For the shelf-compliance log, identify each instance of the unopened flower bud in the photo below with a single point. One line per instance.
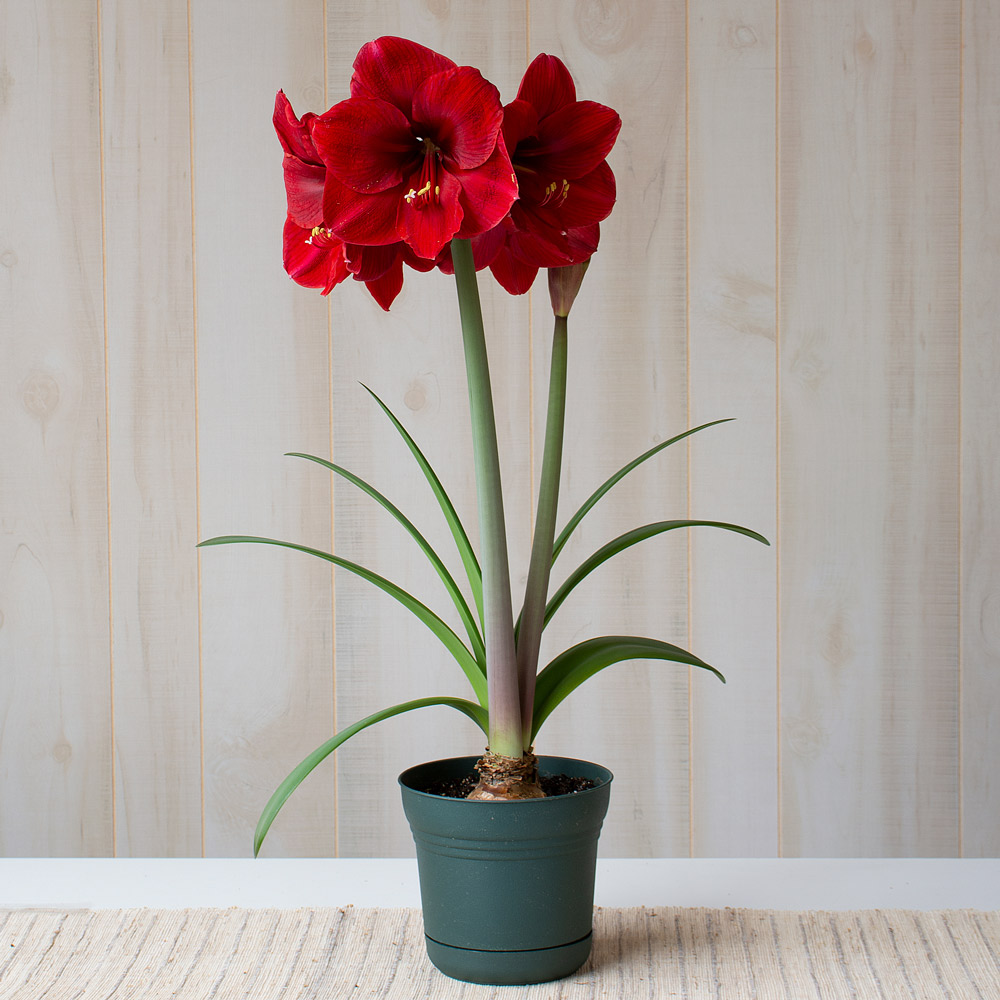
(564, 283)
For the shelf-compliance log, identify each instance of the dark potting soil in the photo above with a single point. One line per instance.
(552, 784)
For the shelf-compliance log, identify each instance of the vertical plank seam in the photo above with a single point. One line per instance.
(777, 421)
(99, 13)
(687, 402)
(961, 465)
(197, 422)
(333, 487)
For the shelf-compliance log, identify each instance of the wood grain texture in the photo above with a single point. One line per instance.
(733, 592)
(627, 391)
(980, 546)
(55, 684)
(868, 313)
(263, 390)
(413, 358)
(153, 481)
(824, 170)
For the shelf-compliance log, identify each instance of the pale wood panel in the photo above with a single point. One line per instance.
(55, 705)
(412, 357)
(153, 495)
(980, 543)
(627, 375)
(869, 119)
(263, 390)
(732, 374)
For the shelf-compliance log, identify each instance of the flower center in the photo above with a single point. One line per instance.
(430, 190)
(556, 193)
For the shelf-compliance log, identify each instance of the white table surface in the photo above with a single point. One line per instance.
(780, 884)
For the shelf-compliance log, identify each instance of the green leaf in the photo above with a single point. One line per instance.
(435, 560)
(612, 548)
(296, 777)
(465, 550)
(619, 475)
(579, 663)
(452, 642)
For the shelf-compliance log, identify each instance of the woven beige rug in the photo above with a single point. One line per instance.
(361, 953)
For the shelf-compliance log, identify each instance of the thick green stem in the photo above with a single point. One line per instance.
(536, 591)
(501, 663)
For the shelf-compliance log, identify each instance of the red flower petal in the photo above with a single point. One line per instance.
(368, 144)
(520, 121)
(513, 274)
(575, 139)
(583, 242)
(304, 191)
(541, 250)
(418, 263)
(367, 219)
(387, 285)
(391, 69)
(487, 192)
(369, 263)
(547, 85)
(589, 199)
(427, 224)
(312, 263)
(292, 133)
(461, 112)
(488, 245)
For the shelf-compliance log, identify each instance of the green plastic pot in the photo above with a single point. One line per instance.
(507, 887)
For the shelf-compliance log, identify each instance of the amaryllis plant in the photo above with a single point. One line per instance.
(423, 166)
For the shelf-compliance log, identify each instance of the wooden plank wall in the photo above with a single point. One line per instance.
(805, 239)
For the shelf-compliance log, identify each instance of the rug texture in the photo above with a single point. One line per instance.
(361, 953)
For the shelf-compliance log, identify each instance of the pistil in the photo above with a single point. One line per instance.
(430, 190)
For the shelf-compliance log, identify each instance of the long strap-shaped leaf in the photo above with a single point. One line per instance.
(580, 662)
(605, 552)
(465, 550)
(435, 560)
(619, 475)
(441, 629)
(299, 773)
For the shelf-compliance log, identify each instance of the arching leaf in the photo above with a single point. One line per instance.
(301, 771)
(579, 663)
(465, 550)
(441, 629)
(622, 542)
(617, 477)
(471, 628)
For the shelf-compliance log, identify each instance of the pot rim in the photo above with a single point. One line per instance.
(544, 766)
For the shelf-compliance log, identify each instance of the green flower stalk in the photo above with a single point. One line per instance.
(564, 284)
(498, 618)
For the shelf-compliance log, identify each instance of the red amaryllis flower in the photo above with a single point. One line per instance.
(559, 146)
(415, 153)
